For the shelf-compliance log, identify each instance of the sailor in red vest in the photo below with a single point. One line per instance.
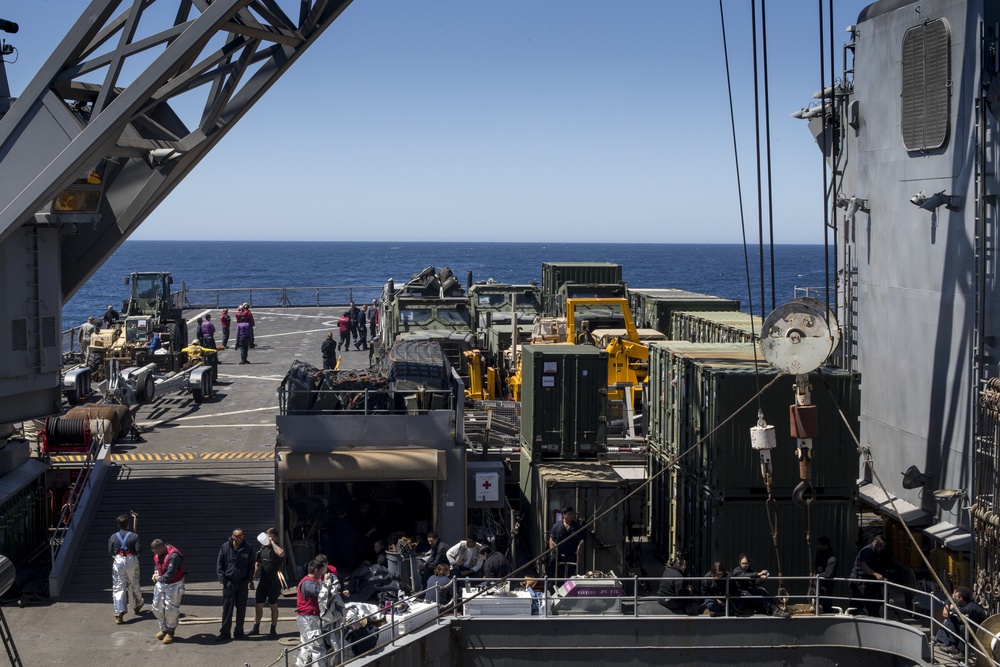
(313, 650)
(169, 588)
(124, 549)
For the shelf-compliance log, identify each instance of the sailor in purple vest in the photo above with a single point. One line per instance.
(208, 333)
(243, 333)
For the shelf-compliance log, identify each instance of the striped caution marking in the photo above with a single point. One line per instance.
(184, 456)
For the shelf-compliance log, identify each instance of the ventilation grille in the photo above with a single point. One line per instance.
(926, 90)
(19, 335)
(48, 332)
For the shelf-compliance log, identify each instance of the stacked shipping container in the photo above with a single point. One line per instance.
(654, 308)
(714, 501)
(731, 326)
(564, 401)
(557, 274)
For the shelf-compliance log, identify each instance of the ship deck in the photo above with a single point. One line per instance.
(186, 447)
(234, 430)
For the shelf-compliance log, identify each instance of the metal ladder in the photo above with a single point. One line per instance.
(8, 642)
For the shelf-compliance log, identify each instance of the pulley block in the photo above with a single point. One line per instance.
(798, 336)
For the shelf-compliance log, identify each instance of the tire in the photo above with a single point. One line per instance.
(71, 397)
(94, 361)
(204, 389)
(213, 362)
(174, 330)
(147, 392)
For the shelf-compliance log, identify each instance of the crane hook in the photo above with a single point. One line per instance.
(804, 494)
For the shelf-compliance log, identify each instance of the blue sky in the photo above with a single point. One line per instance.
(534, 120)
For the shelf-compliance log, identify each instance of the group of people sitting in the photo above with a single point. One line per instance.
(468, 558)
(742, 590)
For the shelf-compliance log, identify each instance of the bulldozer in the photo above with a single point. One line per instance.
(149, 300)
(148, 311)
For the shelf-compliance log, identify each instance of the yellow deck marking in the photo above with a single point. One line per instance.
(178, 456)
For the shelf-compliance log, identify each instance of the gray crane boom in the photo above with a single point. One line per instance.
(86, 155)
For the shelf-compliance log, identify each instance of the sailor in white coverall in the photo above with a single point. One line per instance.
(331, 615)
(313, 649)
(123, 546)
(169, 588)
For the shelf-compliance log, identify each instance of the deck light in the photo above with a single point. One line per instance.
(947, 498)
(934, 201)
(852, 205)
(914, 479)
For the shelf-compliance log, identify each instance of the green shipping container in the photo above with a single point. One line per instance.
(564, 401)
(653, 308)
(589, 488)
(732, 326)
(694, 388)
(714, 530)
(557, 274)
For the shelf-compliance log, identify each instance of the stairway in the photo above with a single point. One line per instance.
(193, 505)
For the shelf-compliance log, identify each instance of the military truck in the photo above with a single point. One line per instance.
(432, 307)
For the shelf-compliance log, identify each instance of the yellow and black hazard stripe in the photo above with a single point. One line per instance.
(181, 456)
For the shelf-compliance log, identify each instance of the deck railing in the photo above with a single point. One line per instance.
(296, 401)
(895, 601)
(275, 297)
(258, 297)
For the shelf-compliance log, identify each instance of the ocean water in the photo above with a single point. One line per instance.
(716, 269)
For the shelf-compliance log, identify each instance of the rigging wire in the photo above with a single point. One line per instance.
(767, 146)
(770, 504)
(756, 119)
(826, 137)
(835, 160)
(739, 191)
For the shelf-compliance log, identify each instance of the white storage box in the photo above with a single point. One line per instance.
(420, 614)
(510, 604)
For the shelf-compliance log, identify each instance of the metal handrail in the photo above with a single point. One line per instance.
(890, 592)
(280, 297)
(370, 398)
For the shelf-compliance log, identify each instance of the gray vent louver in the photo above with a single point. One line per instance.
(926, 90)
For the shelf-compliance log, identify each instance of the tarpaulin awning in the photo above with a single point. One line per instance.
(363, 465)
(906, 512)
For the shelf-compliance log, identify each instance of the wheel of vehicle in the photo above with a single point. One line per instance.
(146, 392)
(213, 361)
(71, 397)
(94, 361)
(203, 390)
(174, 331)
